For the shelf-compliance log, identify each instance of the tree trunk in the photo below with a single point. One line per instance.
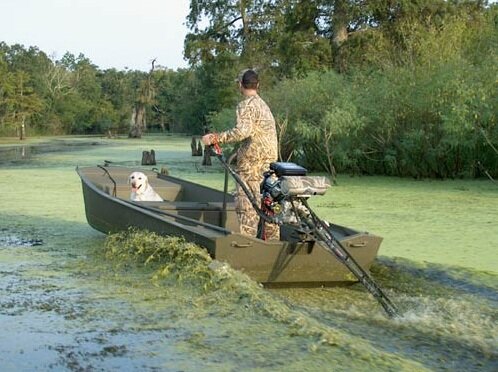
(340, 21)
(22, 135)
(145, 98)
(137, 121)
(245, 28)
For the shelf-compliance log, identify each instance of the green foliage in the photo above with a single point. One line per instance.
(414, 92)
(222, 120)
(427, 109)
(319, 113)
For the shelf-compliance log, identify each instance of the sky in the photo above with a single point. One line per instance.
(111, 33)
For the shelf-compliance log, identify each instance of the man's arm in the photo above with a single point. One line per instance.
(243, 127)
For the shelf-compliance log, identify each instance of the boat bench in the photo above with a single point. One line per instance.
(208, 212)
(171, 192)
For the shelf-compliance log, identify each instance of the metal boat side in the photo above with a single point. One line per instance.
(195, 212)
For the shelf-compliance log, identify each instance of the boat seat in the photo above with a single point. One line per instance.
(208, 212)
(186, 205)
(170, 192)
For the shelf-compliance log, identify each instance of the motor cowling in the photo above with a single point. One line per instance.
(284, 184)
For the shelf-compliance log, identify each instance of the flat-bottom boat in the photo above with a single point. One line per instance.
(207, 217)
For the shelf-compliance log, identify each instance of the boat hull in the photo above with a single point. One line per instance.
(202, 219)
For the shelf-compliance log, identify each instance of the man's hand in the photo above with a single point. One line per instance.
(208, 139)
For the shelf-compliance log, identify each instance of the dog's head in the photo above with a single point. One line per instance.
(138, 182)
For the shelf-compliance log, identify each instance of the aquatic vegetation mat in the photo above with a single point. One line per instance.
(159, 304)
(349, 323)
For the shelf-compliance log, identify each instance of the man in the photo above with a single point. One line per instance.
(255, 129)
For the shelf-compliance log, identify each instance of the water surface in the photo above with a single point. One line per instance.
(69, 300)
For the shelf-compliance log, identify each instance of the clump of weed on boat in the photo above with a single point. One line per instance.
(222, 287)
(172, 257)
(165, 256)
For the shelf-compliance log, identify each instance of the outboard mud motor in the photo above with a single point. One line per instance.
(283, 186)
(285, 190)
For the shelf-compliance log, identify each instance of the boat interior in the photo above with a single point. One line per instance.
(194, 202)
(182, 198)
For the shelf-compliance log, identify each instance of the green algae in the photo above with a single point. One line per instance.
(224, 287)
(143, 302)
(452, 222)
(432, 315)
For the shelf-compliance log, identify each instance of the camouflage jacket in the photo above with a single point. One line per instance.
(256, 131)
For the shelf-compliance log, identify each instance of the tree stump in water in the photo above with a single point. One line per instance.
(196, 147)
(206, 160)
(149, 158)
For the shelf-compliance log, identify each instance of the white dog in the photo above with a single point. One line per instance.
(140, 188)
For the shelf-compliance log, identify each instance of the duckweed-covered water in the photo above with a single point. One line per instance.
(72, 299)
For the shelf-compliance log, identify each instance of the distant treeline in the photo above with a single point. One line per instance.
(71, 95)
(395, 87)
